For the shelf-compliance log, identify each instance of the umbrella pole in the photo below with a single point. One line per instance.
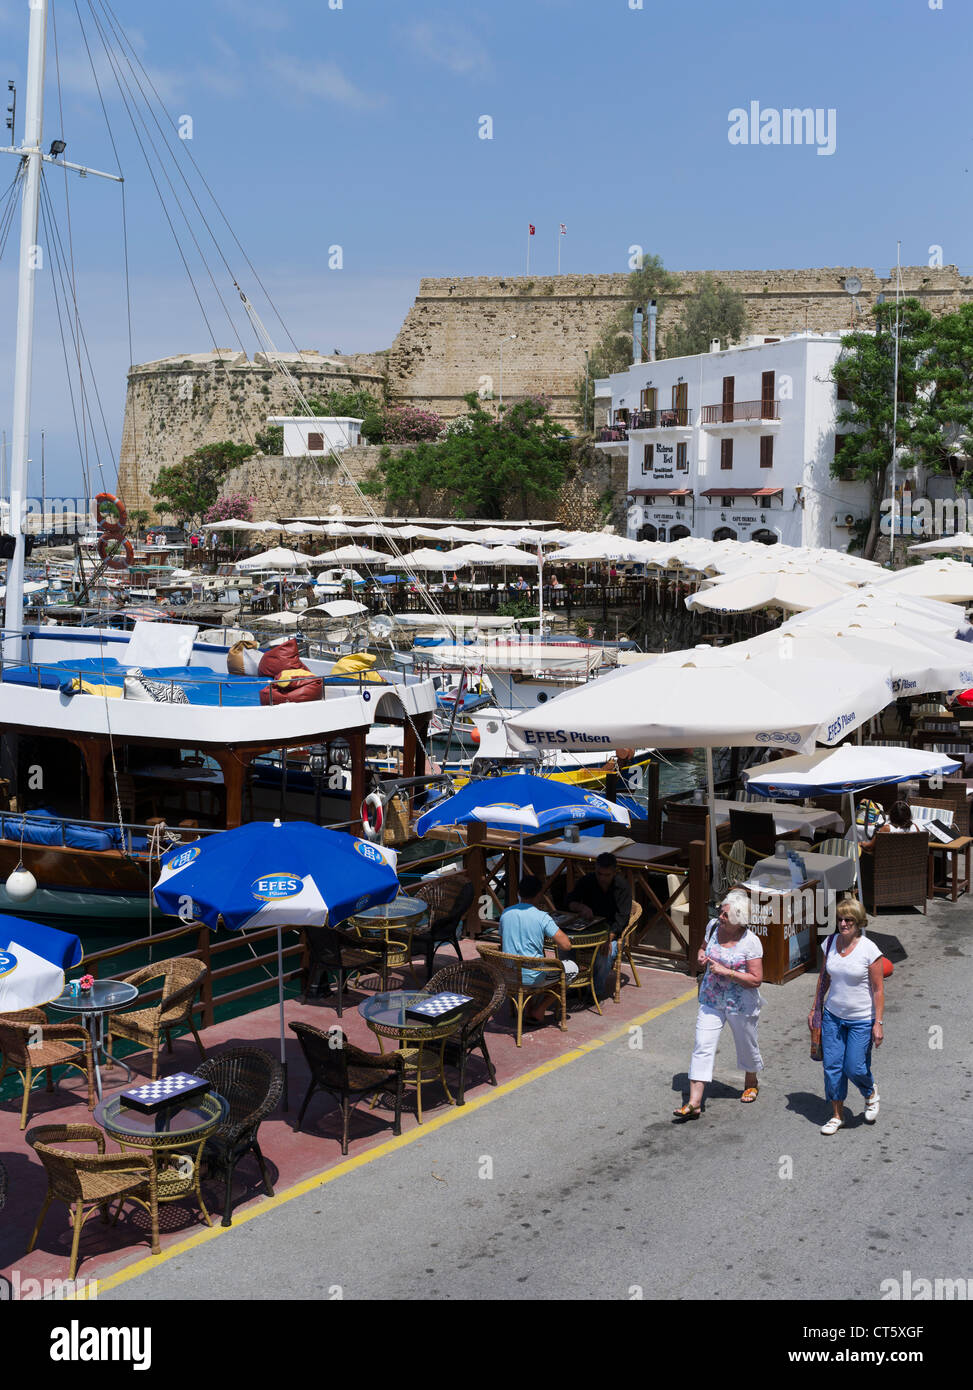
(854, 841)
(711, 803)
(280, 1005)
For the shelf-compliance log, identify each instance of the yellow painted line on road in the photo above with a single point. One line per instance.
(455, 1112)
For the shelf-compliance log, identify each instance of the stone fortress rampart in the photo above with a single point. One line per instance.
(449, 345)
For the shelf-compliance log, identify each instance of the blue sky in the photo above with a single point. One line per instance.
(359, 127)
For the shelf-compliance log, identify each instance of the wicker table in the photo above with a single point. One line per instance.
(93, 1006)
(396, 921)
(386, 1016)
(176, 1134)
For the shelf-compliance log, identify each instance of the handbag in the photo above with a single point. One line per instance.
(816, 1049)
(712, 926)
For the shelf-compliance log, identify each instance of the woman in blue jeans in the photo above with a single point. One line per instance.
(851, 1015)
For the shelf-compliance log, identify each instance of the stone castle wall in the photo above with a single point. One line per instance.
(180, 403)
(320, 487)
(449, 343)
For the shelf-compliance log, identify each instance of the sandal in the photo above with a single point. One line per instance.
(749, 1095)
(833, 1125)
(688, 1112)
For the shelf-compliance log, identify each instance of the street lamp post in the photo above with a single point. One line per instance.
(508, 339)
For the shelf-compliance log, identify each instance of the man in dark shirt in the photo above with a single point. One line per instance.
(604, 894)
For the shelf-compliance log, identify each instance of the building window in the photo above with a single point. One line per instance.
(648, 456)
(679, 501)
(682, 458)
(768, 386)
(727, 501)
(648, 398)
(766, 451)
(726, 451)
(315, 443)
(840, 470)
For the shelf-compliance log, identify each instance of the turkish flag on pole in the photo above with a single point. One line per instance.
(530, 233)
(532, 229)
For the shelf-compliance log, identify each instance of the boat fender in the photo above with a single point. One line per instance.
(21, 884)
(371, 824)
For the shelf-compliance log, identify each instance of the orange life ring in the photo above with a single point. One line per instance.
(372, 830)
(101, 499)
(116, 562)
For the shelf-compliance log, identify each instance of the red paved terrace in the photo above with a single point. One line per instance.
(293, 1158)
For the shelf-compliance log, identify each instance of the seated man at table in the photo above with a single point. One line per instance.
(603, 894)
(525, 929)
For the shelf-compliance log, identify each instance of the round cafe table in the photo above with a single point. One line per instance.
(396, 921)
(176, 1134)
(386, 1016)
(93, 1006)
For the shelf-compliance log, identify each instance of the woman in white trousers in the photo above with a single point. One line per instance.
(728, 993)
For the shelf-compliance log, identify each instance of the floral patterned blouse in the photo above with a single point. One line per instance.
(729, 996)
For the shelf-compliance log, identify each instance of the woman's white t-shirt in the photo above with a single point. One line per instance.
(849, 994)
(912, 829)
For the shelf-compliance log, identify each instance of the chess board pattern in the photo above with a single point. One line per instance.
(154, 1094)
(438, 1004)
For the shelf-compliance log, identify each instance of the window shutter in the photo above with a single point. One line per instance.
(648, 455)
(728, 390)
(315, 443)
(726, 453)
(766, 451)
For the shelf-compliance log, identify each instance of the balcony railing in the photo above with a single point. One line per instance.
(613, 434)
(676, 417)
(728, 414)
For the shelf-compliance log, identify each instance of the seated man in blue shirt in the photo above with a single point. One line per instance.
(524, 930)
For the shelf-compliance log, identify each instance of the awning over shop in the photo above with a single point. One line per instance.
(743, 492)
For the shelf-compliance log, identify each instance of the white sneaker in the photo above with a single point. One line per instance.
(871, 1108)
(833, 1125)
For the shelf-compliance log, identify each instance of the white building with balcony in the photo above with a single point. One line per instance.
(735, 444)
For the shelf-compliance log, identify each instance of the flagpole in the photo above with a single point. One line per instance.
(559, 235)
(528, 249)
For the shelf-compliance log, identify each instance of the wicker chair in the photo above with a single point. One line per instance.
(625, 943)
(895, 872)
(484, 983)
(332, 949)
(3, 1185)
(846, 847)
(734, 867)
(450, 897)
(89, 1182)
(585, 947)
(54, 1045)
(953, 792)
(182, 978)
(553, 981)
(252, 1082)
(348, 1073)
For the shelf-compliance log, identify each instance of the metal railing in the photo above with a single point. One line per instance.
(727, 413)
(676, 417)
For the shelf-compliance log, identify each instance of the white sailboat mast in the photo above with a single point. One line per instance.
(29, 258)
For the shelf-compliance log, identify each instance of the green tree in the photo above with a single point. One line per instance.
(479, 469)
(612, 350)
(865, 375)
(188, 489)
(713, 310)
(942, 425)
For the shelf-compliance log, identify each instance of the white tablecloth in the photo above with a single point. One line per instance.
(836, 871)
(807, 820)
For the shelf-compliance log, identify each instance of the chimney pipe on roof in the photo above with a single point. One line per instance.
(636, 337)
(653, 314)
(714, 345)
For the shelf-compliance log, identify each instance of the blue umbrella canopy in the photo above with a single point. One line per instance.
(260, 874)
(33, 959)
(554, 803)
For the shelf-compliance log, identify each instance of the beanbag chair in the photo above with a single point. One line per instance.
(292, 681)
(243, 659)
(358, 666)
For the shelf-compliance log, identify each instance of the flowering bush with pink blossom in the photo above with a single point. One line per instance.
(407, 424)
(233, 507)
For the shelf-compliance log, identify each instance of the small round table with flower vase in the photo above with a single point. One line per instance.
(93, 1006)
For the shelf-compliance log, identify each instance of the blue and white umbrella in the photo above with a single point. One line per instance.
(293, 874)
(521, 801)
(846, 769)
(33, 959)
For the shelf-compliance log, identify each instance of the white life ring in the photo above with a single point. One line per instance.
(372, 826)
